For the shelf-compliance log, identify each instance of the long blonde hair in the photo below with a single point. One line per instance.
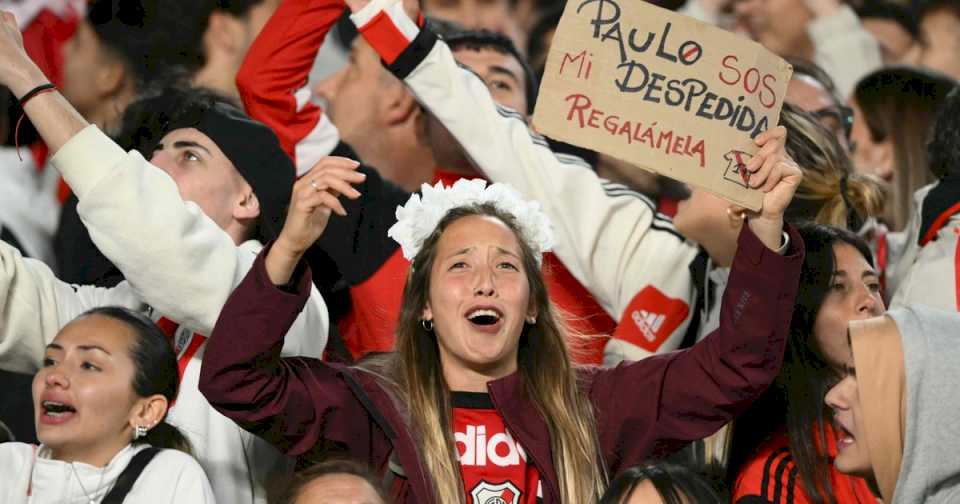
(416, 379)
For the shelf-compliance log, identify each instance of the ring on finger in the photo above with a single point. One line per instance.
(313, 184)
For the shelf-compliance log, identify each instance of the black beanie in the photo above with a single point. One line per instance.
(251, 146)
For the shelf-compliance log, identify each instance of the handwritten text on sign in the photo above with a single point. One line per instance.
(662, 91)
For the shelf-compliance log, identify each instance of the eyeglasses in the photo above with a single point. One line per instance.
(836, 118)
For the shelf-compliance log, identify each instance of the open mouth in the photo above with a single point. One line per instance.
(485, 317)
(845, 438)
(56, 412)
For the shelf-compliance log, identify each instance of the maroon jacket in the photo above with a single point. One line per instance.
(651, 407)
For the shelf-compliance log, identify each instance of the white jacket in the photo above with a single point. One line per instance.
(928, 274)
(178, 263)
(172, 477)
(29, 209)
(611, 239)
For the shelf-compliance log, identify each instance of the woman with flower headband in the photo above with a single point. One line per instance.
(480, 399)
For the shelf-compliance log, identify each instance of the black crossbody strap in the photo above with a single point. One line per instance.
(129, 476)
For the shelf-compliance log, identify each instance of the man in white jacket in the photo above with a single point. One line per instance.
(182, 231)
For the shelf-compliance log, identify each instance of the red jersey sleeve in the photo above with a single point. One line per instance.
(273, 79)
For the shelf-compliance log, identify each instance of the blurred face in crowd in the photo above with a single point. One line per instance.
(779, 25)
(205, 176)
(808, 94)
(83, 395)
(479, 299)
(493, 15)
(90, 71)
(354, 95)
(853, 454)
(504, 77)
(854, 294)
(869, 155)
(940, 37)
(256, 17)
(502, 74)
(338, 489)
(897, 46)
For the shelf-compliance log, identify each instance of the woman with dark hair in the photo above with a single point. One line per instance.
(829, 194)
(784, 444)
(480, 398)
(894, 111)
(100, 401)
(659, 484)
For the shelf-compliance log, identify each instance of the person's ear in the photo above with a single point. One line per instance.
(427, 312)
(885, 160)
(148, 411)
(111, 76)
(400, 106)
(224, 34)
(247, 206)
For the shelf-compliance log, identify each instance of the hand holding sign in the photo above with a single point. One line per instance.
(773, 172)
(662, 91)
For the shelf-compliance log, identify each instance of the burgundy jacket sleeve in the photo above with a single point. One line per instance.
(653, 406)
(274, 73)
(298, 404)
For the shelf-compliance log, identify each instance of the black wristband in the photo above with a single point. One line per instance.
(34, 92)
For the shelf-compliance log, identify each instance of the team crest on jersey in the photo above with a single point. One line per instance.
(488, 493)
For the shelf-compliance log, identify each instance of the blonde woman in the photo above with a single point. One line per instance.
(480, 399)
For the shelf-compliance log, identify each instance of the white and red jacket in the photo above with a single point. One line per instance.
(273, 79)
(177, 262)
(611, 239)
(929, 271)
(362, 256)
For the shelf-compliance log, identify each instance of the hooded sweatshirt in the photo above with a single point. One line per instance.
(926, 466)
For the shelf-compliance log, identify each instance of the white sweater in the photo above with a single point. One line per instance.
(177, 263)
(172, 477)
(28, 205)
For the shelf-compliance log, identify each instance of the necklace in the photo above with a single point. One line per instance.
(95, 490)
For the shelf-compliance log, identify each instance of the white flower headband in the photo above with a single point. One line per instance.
(417, 219)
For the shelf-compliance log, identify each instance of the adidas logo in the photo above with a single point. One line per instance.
(500, 449)
(649, 323)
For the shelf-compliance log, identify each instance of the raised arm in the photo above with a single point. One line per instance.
(683, 396)
(609, 237)
(653, 406)
(164, 246)
(295, 402)
(34, 305)
(287, 401)
(273, 79)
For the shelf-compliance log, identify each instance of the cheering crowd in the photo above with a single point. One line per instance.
(313, 251)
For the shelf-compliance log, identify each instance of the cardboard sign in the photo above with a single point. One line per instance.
(662, 91)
